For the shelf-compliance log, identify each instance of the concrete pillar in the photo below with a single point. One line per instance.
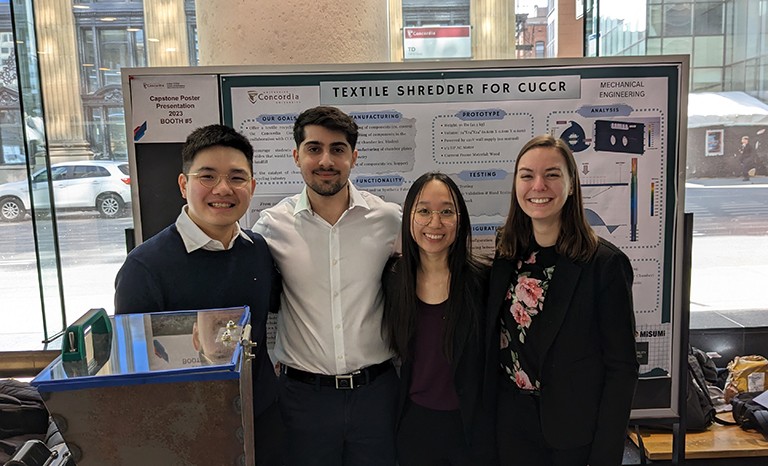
(57, 52)
(493, 29)
(165, 26)
(395, 30)
(254, 32)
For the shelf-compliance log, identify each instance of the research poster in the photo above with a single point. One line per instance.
(622, 117)
(620, 121)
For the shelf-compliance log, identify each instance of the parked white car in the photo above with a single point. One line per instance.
(83, 185)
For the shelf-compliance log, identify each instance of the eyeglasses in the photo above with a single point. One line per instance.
(211, 179)
(423, 216)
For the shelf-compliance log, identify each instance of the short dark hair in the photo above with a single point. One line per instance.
(214, 135)
(330, 118)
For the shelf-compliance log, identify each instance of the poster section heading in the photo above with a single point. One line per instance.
(168, 108)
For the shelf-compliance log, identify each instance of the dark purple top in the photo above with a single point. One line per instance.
(432, 377)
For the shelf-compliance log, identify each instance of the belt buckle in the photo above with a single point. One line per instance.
(345, 382)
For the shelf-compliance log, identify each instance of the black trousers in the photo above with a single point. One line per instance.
(268, 437)
(427, 437)
(519, 437)
(326, 426)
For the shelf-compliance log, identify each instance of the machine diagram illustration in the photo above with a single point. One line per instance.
(616, 159)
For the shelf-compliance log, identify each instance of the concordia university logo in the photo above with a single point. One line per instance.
(273, 96)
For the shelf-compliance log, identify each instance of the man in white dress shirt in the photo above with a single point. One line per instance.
(338, 388)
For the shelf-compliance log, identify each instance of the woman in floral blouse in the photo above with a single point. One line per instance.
(560, 307)
(433, 319)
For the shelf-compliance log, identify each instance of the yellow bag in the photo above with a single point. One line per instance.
(746, 374)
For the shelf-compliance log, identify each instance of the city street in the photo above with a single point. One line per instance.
(730, 244)
(730, 256)
(728, 207)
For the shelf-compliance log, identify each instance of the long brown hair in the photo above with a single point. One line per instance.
(576, 240)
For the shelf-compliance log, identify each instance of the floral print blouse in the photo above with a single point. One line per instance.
(522, 305)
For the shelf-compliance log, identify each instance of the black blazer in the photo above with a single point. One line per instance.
(588, 365)
(468, 366)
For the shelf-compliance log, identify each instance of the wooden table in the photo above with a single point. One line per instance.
(717, 442)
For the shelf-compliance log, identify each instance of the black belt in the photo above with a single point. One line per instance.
(358, 378)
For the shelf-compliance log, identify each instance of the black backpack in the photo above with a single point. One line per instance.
(700, 412)
(21, 409)
(749, 414)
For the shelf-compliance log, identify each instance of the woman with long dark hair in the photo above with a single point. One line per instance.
(435, 297)
(561, 321)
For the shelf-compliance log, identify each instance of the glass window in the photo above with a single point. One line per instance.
(653, 46)
(763, 92)
(194, 45)
(118, 146)
(11, 138)
(677, 20)
(435, 13)
(707, 18)
(677, 45)
(104, 51)
(738, 35)
(655, 20)
(751, 75)
(88, 171)
(738, 75)
(757, 24)
(727, 78)
(115, 48)
(707, 79)
(88, 249)
(708, 51)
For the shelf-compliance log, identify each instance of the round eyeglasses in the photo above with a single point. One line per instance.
(212, 179)
(423, 216)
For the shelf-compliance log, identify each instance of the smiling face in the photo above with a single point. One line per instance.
(542, 186)
(216, 210)
(325, 159)
(435, 235)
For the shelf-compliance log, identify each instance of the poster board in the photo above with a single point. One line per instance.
(622, 117)
(715, 142)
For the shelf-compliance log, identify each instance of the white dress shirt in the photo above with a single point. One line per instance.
(332, 303)
(195, 238)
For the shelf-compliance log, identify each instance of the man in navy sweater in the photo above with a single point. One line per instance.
(205, 260)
